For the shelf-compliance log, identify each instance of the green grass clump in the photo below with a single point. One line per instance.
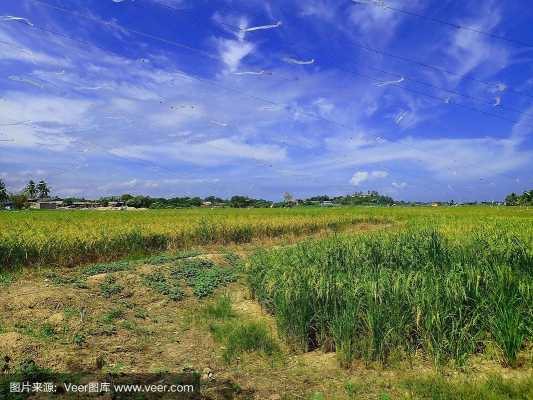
(207, 281)
(401, 293)
(7, 277)
(163, 285)
(109, 287)
(79, 339)
(112, 315)
(220, 309)
(43, 332)
(494, 387)
(244, 337)
(236, 335)
(47, 331)
(187, 269)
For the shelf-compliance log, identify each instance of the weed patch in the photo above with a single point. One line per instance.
(79, 282)
(97, 269)
(170, 258)
(109, 287)
(203, 276)
(163, 285)
(237, 336)
(113, 315)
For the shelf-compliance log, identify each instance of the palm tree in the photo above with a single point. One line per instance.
(43, 190)
(3, 192)
(30, 190)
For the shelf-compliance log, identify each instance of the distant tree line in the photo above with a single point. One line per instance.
(31, 192)
(186, 202)
(370, 198)
(356, 199)
(525, 199)
(41, 191)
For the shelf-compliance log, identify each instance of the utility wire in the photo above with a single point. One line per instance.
(432, 67)
(440, 99)
(258, 98)
(455, 92)
(201, 52)
(381, 4)
(134, 31)
(412, 61)
(452, 91)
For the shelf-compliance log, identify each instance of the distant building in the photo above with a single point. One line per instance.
(84, 204)
(44, 205)
(116, 204)
(327, 204)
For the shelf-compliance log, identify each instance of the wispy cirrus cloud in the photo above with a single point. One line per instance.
(116, 107)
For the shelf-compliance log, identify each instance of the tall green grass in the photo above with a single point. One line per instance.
(493, 387)
(404, 292)
(69, 238)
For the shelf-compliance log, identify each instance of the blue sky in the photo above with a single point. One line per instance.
(188, 97)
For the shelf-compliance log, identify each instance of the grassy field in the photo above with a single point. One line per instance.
(347, 303)
(74, 237)
(388, 295)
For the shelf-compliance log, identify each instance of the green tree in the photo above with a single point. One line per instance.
(3, 192)
(19, 201)
(30, 190)
(239, 202)
(126, 197)
(526, 198)
(511, 200)
(43, 189)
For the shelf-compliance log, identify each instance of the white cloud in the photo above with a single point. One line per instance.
(14, 50)
(317, 8)
(470, 50)
(379, 174)
(233, 51)
(213, 152)
(134, 120)
(362, 176)
(472, 157)
(359, 177)
(375, 22)
(324, 106)
(399, 185)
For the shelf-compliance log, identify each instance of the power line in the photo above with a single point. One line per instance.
(201, 52)
(452, 91)
(381, 4)
(399, 86)
(432, 67)
(420, 63)
(258, 98)
(412, 79)
(134, 31)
